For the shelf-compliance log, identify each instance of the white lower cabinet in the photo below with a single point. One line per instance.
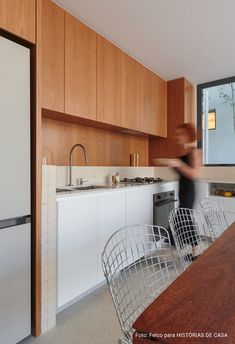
(77, 247)
(139, 207)
(112, 216)
(85, 223)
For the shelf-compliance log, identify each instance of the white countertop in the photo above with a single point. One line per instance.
(219, 181)
(113, 188)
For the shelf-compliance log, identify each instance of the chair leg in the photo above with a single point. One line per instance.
(124, 341)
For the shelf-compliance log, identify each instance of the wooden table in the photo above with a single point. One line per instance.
(201, 301)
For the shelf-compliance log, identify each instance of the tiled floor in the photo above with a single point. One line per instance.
(90, 321)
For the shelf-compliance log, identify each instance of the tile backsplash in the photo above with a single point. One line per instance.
(103, 175)
(219, 173)
(215, 173)
(100, 175)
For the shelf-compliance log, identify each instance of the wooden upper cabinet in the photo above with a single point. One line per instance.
(18, 17)
(108, 82)
(80, 69)
(180, 109)
(50, 40)
(147, 102)
(130, 83)
(160, 98)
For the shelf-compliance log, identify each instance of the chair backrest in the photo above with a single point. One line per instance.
(214, 216)
(189, 232)
(138, 265)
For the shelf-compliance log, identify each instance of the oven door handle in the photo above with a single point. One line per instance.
(159, 204)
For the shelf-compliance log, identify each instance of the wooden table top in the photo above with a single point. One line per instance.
(200, 302)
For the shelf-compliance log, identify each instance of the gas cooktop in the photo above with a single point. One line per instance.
(141, 180)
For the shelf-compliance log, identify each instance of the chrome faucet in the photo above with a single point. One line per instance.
(70, 160)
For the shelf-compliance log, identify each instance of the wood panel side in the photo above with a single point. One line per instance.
(36, 182)
(105, 148)
(189, 102)
(18, 17)
(175, 105)
(36, 222)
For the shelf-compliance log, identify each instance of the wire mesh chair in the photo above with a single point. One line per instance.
(189, 233)
(138, 264)
(214, 216)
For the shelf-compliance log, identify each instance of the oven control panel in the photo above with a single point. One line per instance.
(164, 196)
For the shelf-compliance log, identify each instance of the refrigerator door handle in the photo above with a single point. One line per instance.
(16, 221)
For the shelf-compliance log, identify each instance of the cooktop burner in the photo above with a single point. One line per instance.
(141, 180)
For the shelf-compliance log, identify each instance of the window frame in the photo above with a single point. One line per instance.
(200, 88)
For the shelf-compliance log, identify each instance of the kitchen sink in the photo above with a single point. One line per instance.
(80, 188)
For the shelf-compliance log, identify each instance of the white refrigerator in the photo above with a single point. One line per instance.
(15, 255)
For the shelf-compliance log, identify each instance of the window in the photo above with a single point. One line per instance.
(211, 120)
(216, 121)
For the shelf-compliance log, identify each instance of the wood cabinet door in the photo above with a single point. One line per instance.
(166, 148)
(146, 100)
(108, 82)
(130, 83)
(80, 69)
(160, 115)
(18, 17)
(50, 39)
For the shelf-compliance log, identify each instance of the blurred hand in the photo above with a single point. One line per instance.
(174, 163)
